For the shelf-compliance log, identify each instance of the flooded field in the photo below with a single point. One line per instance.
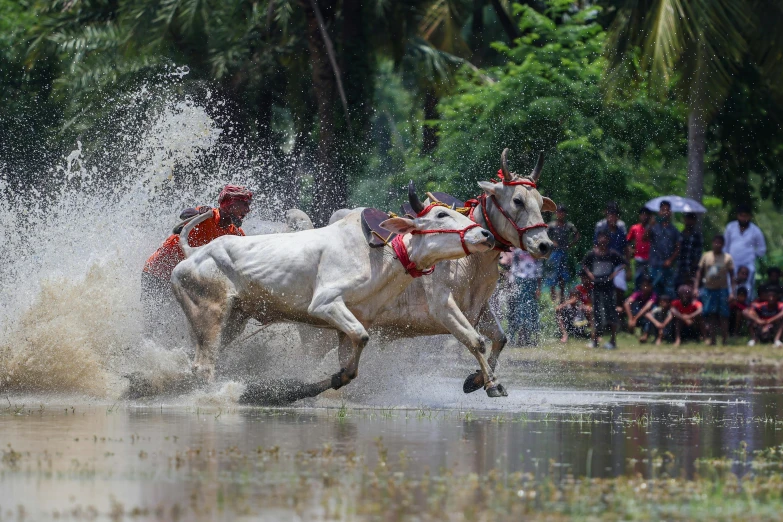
(351, 458)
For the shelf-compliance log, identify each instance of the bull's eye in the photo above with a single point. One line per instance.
(518, 202)
(442, 215)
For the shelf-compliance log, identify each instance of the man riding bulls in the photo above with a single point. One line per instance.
(156, 298)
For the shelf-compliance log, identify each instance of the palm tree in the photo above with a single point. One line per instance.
(692, 48)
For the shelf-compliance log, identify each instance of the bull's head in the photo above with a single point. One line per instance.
(523, 205)
(438, 233)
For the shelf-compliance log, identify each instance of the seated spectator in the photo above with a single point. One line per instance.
(742, 280)
(737, 308)
(765, 319)
(716, 268)
(575, 313)
(637, 306)
(772, 282)
(687, 316)
(602, 265)
(659, 320)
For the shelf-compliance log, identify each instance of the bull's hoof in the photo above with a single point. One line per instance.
(275, 393)
(204, 373)
(497, 390)
(475, 381)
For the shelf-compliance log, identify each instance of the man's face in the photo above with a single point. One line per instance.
(717, 246)
(743, 274)
(238, 209)
(644, 218)
(772, 297)
(685, 296)
(603, 241)
(690, 221)
(611, 218)
(665, 303)
(744, 218)
(774, 277)
(561, 216)
(665, 212)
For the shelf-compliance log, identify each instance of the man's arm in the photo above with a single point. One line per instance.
(647, 306)
(669, 262)
(698, 310)
(668, 319)
(697, 279)
(650, 317)
(761, 244)
(627, 307)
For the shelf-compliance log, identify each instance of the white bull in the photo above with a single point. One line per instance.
(455, 299)
(327, 277)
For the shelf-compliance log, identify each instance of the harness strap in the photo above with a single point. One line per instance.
(481, 201)
(450, 231)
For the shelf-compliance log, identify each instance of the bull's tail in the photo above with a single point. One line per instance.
(183, 235)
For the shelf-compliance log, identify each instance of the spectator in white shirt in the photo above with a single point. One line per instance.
(745, 242)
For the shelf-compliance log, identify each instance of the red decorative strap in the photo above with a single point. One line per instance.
(521, 181)
(402, 254)
(481, 201)
(450, 231)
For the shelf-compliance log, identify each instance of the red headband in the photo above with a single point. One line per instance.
(521, 181)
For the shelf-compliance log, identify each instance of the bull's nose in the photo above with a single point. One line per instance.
(486, 234)
(544, 248)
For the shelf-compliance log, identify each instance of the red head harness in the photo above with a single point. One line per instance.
(482, 202)
(402, 252)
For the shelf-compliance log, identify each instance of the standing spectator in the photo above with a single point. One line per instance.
(716, 268)
(737, 309)
(602, 265)
(639, 245)
(691, 249)
(742, 279)
(766, 319)
(660, 320)
(618, 241)
(687, 315)
(745, 243)
(637, 305)
(664, 249)
(525, 277)
(563, 234)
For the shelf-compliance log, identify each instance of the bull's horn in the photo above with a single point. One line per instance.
(504, 165)
(413, 199)
(453, 206)
(537, 170)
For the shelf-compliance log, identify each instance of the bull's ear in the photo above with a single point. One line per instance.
(399, 225)
(548, 206)
(488, 187)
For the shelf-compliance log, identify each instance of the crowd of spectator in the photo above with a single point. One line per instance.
(652, 278)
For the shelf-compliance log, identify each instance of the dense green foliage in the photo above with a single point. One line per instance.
(417, 106)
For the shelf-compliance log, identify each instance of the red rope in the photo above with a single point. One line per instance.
(402, 254)
(481, 201)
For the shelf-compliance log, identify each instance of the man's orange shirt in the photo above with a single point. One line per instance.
(162, 262)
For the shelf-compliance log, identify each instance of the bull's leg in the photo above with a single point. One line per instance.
(489, 324)
(451, 317)
(206, 318)
(353, 338)
(234, 325)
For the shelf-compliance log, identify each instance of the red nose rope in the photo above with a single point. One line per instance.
(402, 253)
(481, 201)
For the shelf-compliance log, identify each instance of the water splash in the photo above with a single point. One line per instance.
(76, 240)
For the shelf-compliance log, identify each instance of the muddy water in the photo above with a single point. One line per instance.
(181, 462)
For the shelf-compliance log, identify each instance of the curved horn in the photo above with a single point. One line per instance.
(504, 165)
(453, 206)
(413, 199)
(537, 170)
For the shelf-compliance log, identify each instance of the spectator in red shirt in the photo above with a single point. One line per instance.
(687, 315)
(639, 245)
(637, 305)
(766, 319)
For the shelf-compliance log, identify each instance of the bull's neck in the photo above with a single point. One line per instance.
(418, 254)
(478, 218)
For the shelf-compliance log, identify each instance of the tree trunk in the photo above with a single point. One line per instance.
(477, 33)
(697, 129)
(429, 132)
(505, 21)
(330, 188)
